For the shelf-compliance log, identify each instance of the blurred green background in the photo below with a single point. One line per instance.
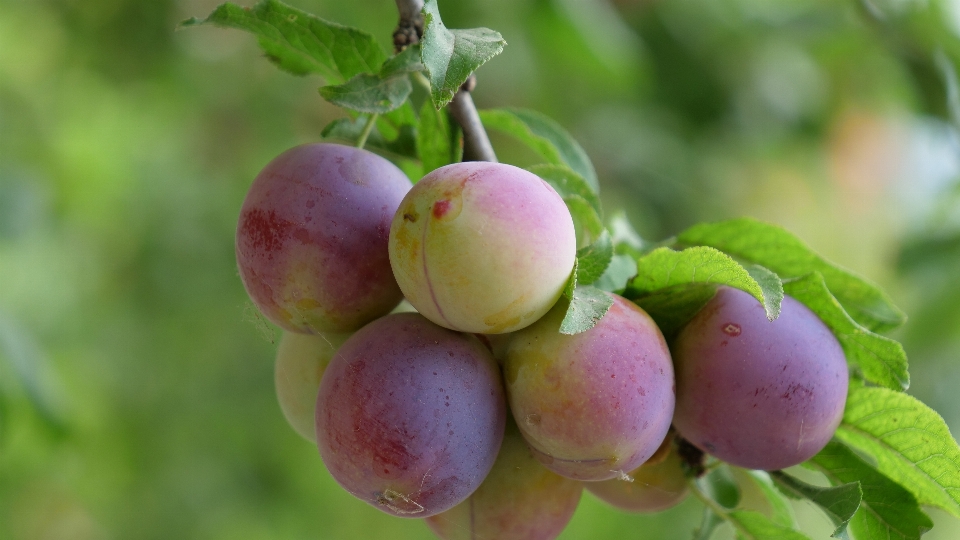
(136, 387)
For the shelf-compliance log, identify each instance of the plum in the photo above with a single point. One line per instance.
(658, 484)
(312, 238)
(519, 500)
(596, 404)
(410, 416)
(301, 361)
(755, 393)
(482, 247)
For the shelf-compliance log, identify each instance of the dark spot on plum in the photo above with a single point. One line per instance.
(731, 329)
(310, 203)
(709, 446)
(302, 235)
(723, 343)
(412, 218)
(440, 208)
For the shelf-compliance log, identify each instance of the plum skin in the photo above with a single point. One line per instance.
(482, 247)
(519, 500)
(656, 485)
(410, 416)
(755, 393)
(596, 404)
(312, 238)
(301, 361)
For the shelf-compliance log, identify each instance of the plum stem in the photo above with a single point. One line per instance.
(476, 142)
(367, 128)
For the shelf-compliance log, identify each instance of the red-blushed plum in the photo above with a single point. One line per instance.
(755, 393)
(482, 247)
(410, 416)
(301, 361)
(658, 484)
(519, 500)
(593, 405)
(312, 238)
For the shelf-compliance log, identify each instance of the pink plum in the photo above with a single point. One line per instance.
(482, 247)
(312, 238)
(593, 405)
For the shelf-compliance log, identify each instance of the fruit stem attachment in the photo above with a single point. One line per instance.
(367, 128)
(476, 143)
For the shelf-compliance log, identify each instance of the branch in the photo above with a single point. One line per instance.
(476, 143)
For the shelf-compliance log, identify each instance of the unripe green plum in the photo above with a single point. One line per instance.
(755, 393)
(656, 485)
(593, 405)
(301, 361)
(519, 500)
(482, 247)
(312, 238)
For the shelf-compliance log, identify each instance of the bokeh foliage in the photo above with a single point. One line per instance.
(136, 391)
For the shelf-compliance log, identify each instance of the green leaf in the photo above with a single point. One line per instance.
(571, 282)
(586, 220)
(887, 510)
(347, 130)
(588, 306)
(593, 260)
(708, 523)
(545, 137)
(722, 487)
(567, 182)
(909, 441)
(625, 238)
(780, 511)
(450, 56)
(882, 360)
(756, 526)
(299, 42)
(433, 138)
(839, 503)
(622, 269)
(406, 61)
(786, 255)
(771, 286)
(32, 370)
(673, 285)
(370, 93)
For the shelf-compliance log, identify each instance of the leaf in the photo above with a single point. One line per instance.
(722, 487)
(450, 56)
(433, 138)
(625, 237)
(622, 269)
(593, 260)
(567, 182)
(545, 137)
(887, 510)
(586, 220)
(882, 360)
(349, 131)
(708, 523)
(756, 526)
(839, 503)
(299, 42)
(406, 61)
(768, 281)
(370, 93)
(910, 442)
(786, 255)
(673, 285)
(32, 370)
(588, 306)
(780, 511)
(571, 282)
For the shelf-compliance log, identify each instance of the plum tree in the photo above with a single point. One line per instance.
(312, 238)
(755, 393)
(658, 484)
(460, 257)
(596, 404)
(519, 500)
(410, 416)
(301, 361)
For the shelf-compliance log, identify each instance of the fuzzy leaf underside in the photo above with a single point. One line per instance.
(587, 307)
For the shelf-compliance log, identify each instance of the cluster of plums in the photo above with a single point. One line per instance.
(474, 411)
